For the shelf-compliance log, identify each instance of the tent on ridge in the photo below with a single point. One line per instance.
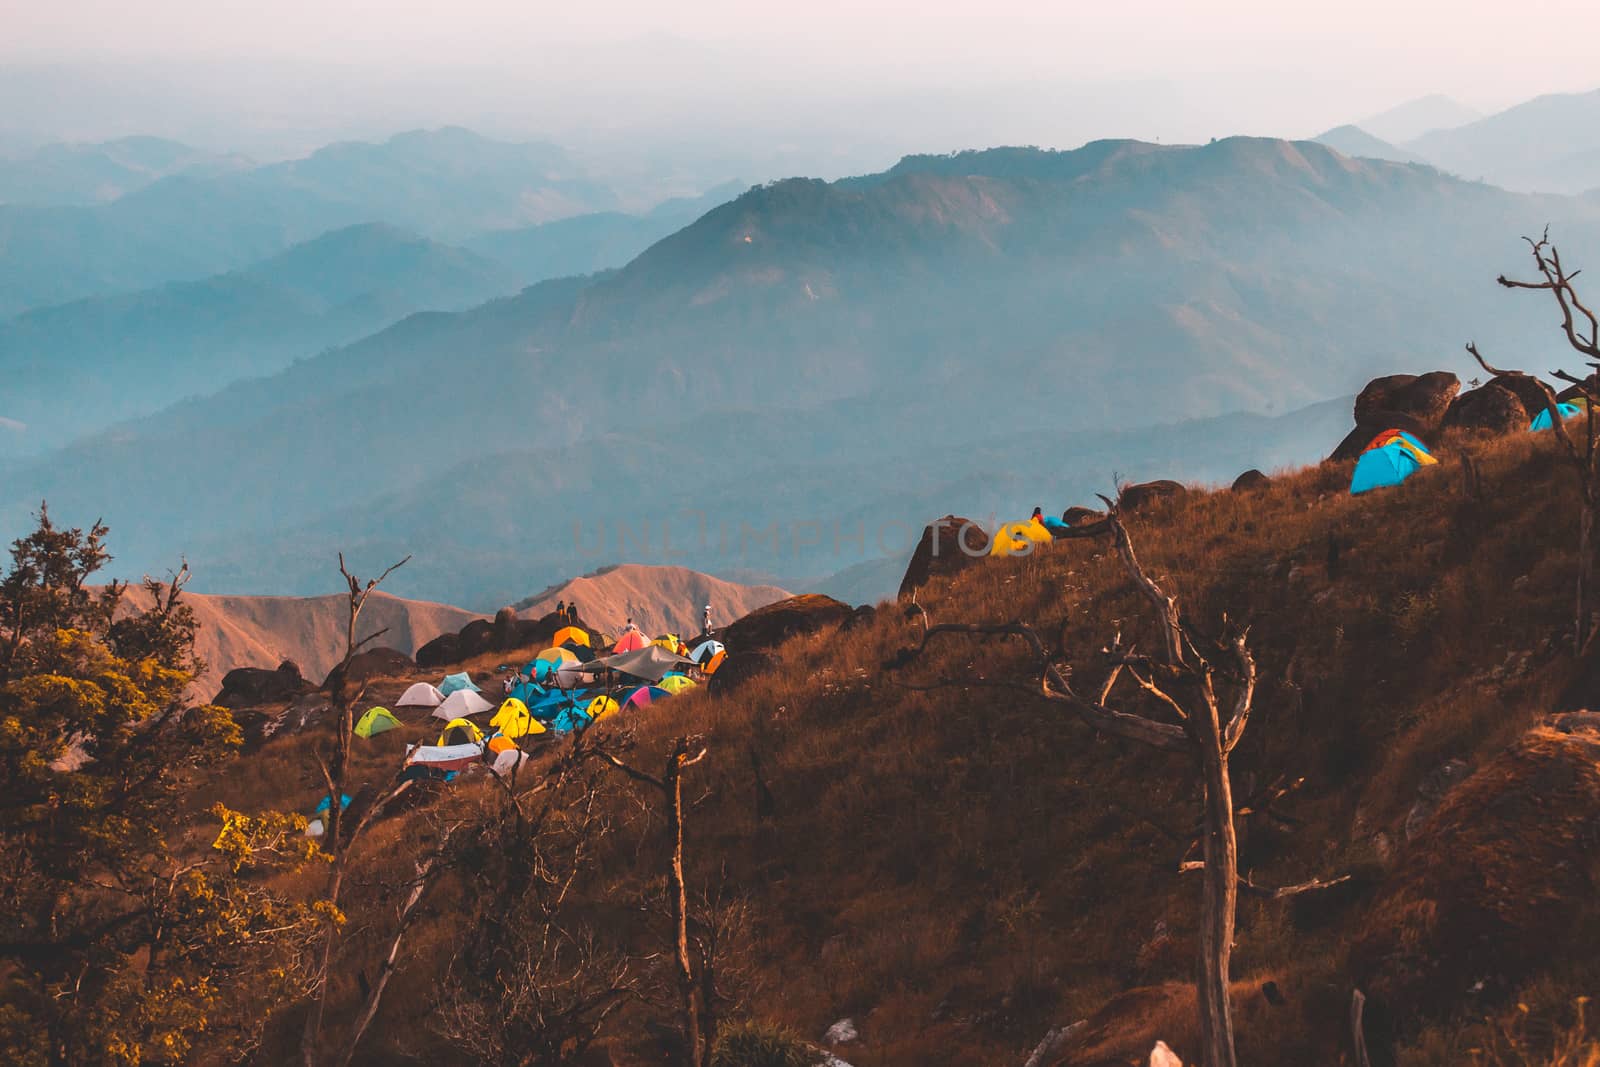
(570, 633)
(440, 760)
(460, 732)
(1054, 525)
(556, 657)
(460, 704)
(600, 707)
(677, 683)
(582, 653)
(705, 650)
(651, 663)
(1542, 420)
(1380, 467)
(509, 708)
(376, 721)
(421, 695)
(454, 682)
(519, 723)
(1404, 440)
(646, 695)
(630, 641)
(672, 643)
(1006, 544)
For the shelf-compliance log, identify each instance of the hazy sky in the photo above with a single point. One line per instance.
(825, 75)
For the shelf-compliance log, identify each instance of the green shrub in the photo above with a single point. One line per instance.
(755, 1044)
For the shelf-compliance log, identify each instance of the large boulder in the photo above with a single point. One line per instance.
(1079, 516)
(766, 628)
(441, 651)
(1250, 481)
(476, 638)
(1489, 408)
(1356, 441)
(373, 663)
(1491, 890)
(1426, 397)
(1144, 494)
(505, 629)
(1528, 390)
(245, 686)
(948, 546)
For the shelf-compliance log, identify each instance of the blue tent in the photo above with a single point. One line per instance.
(1054, 525)
(344, 802)
(1542, 421)
(528, 693)
(452, 682)
(1378, 467)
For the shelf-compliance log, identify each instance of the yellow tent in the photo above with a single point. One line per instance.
(677, 683)
(600, 707)
(459, 732)
(376, 721)
(557, 657)
(507, 711)
(515, 720)
(573, 634)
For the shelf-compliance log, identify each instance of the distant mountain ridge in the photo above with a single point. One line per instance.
(82, 366)
(1550, 143)
(263, 631)
(839, 353)
(445, 184)
(80, 174)
(659, 599)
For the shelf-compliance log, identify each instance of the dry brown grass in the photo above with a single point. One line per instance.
(962, 869)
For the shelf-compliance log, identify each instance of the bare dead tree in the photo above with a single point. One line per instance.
(335, 776)
(697, 1036)
(427, 867)
(533, 984)
(1207, 686)
(1582, 329)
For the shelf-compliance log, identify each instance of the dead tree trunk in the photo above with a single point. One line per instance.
(1182, 677)
(670, 785)
(1582, 329)
(335, 778)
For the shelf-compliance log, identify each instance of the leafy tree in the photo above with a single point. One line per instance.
(122, 940)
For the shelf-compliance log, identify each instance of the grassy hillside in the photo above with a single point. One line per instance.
(959, 869)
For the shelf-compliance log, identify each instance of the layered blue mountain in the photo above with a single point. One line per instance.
(445, 184)
(980, 332)
(80, 367)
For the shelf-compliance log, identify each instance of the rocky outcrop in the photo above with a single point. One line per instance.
(1144, 494)
(1423, 397)
(442, 650)
(245, 686)
(948, 546)
(1250, 481)
(1490, 408)
(1077, 516)
(1527, 389)
(766, 628)
(373, 663)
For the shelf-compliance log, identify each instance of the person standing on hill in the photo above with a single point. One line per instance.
(1038, 515)
(705, 623)
(561, 608)
(572, 613)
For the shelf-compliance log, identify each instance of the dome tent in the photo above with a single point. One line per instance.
(376, 721)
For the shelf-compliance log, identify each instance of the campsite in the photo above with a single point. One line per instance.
(855, 535)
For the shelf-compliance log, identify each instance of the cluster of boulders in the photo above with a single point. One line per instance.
(503, 634)
(1424, 404)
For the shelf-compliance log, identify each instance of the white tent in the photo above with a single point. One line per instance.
(461, 704)
(421, 695)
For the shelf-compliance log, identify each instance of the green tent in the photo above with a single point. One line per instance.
(376, 721)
